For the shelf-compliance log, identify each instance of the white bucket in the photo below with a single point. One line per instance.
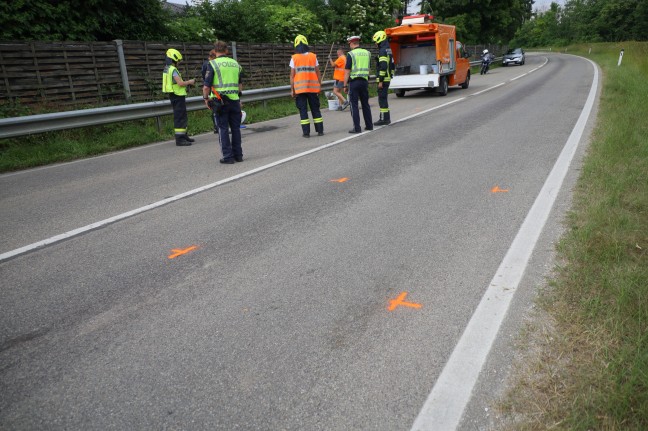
(424, 69)
(435, 68)
(333, 104)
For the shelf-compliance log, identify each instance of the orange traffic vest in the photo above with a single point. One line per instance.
(305, 77)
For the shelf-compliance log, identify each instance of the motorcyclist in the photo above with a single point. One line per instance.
(487, 58)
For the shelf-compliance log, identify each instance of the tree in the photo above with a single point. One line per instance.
(81, 20)
(481, 21)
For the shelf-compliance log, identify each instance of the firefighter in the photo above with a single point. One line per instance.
(384, 73)
(173, 84)
(305, 81)
(356, 83)
(222, 92)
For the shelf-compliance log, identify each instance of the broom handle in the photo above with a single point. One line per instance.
(327, 63)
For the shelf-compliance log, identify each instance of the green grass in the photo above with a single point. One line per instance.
(589, 370)
(53, 147)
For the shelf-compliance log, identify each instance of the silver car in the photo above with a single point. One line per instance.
(514, 56)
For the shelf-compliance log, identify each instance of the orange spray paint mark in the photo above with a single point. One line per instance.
(180, 251)
(393, 303)
(496, 189)
(340, 180)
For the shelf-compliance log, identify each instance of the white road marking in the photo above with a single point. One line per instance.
(105, 222)
(446, 402)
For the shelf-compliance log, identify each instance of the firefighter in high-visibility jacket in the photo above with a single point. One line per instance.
(176, 88)
(305, 82)
(384, 74)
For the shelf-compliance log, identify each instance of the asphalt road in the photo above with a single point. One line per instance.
(281, 310)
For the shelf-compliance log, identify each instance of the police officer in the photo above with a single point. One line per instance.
(222, 92)
(356, 83)
(384, 73)
(173, 84)
(305, 81)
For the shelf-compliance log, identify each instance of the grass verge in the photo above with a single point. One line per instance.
(54, 147)
(585, 366)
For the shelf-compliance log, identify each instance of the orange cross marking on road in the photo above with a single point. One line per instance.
(496, 189)
(393, 303)
(340, 180)
(180, 251)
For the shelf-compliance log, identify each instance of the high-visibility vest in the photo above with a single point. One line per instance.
(360, 59)
(338, 73)
(226, 77)
(305, 80)
(168, 83)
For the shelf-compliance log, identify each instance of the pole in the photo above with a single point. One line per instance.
(620, 58)
(327, 63)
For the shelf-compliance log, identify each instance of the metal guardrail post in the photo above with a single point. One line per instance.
(122, 68)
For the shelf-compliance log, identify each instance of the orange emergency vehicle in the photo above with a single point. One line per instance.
(427, 56)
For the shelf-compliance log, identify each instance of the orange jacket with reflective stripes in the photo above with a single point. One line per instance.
(305, 77)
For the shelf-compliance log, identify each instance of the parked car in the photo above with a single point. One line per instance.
(515, 55)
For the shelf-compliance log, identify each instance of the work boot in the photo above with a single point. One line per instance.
(384, 120)
(181, 141)
(319, 128)
(306, 130)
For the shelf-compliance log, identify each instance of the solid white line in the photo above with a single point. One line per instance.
(99, 224)
(446, 402)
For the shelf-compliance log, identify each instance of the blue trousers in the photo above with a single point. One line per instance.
(303, 101)
(229, 118)
(359, 90)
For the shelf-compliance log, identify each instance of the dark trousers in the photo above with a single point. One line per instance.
(179, 114)
(359, 89)
(229, 118)
(303, 101)
(382, 98)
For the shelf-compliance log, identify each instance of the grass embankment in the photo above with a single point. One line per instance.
(47, 148)
(53, 147)
(586, 366)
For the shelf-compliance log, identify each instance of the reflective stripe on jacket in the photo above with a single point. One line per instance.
(168, 83)
(305, 80)
(360, 59)
(385, 69)
(226, 76)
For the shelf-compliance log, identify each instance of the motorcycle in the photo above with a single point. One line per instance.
(485, 65)
(486, 61)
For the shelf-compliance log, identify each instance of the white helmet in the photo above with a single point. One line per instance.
(485, 51)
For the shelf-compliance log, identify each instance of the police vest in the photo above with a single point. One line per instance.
(360, 59)
(305, 80)
(168, 83)
(226, 77)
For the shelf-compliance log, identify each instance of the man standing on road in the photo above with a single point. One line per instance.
(205, 68)
(356, 83)
(305, 81)
(176, 87)
(384, 73)
(338, 76)
(222, 91)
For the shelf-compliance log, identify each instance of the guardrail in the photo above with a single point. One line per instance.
(32, 124)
